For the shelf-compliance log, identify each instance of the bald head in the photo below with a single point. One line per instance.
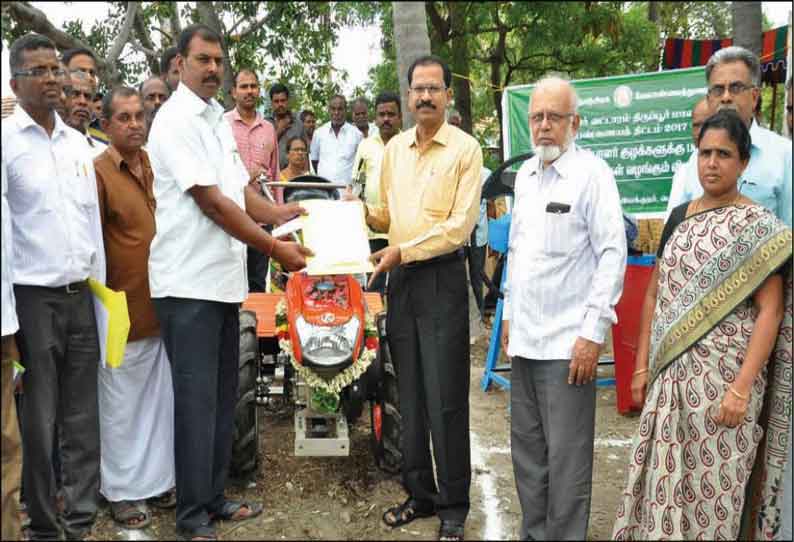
(553, 120)
(700, 113)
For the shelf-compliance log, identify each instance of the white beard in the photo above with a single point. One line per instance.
(549, 153)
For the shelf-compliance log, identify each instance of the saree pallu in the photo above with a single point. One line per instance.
(688, 476)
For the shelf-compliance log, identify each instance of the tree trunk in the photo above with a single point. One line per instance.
(460, 63)
(653, 12)
(209, 16)
(411, 41)
(747, 17)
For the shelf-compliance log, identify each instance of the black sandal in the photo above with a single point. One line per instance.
(408, 511)
(229, 510)
(451, 530)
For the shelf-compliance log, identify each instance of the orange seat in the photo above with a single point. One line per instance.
(264, 305)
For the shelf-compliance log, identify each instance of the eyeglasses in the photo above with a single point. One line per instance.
(87, 71)
(40, 72)
(432, 89)
(735, 88)
(553, 118)
(75, 93)
(301, 151)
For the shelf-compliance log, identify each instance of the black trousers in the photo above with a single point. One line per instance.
(60, 350)
(428, 329)
(202, 339)
(476, 258)
(380, 281)
(257, 266)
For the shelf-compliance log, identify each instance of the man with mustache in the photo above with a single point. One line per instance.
(154, 92)
(57, 241)
(206, 212)
(429, 200)
(733, 75)
(80, 99)
(369, 158)
(285, 123)
(256, 141)
(565, 265)
(169, 68)
(83, 61)
(136, 403)
(334, 144)
(309, 120)
(360, 113)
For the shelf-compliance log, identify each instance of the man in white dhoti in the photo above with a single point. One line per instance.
(136, 403)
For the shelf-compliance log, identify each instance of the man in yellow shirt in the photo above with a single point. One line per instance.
(369, 158)
(429, 203)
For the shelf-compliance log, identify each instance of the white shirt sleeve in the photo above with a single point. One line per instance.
(10, 323)
(314, 150)
(99, 264)
(608, 241)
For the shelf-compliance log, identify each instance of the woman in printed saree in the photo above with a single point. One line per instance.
(711, 320)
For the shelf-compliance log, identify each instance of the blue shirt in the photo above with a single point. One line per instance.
(767, 179)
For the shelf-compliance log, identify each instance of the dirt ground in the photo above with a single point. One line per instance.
(343, 498)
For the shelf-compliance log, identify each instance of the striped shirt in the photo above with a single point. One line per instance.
(566, 256)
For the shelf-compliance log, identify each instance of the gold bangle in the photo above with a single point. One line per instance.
(641, 371)
(736, 393)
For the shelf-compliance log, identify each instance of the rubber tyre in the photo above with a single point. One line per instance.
(387, 451)
(245, 446)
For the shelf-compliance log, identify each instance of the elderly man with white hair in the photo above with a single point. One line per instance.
(567, 256)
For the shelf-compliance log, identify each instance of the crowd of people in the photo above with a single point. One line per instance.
(157, 191)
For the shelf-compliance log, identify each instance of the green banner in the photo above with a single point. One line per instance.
(639, 124)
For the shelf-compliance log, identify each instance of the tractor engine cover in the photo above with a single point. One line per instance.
(326, 321)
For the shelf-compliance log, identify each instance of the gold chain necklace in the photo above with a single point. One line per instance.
(700, 200)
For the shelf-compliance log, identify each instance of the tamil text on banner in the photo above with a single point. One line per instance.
(639, 124)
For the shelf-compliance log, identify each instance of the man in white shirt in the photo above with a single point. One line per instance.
(79, 102)
(52, 196)
(733, 75)
(334, 144)
(12, 446)
(566, 259)
(206, 213)
(369, 158)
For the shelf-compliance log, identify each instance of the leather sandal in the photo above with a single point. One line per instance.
(405, 513)
(230, 511)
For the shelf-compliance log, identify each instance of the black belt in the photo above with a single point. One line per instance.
(73, 288)
(456, 255)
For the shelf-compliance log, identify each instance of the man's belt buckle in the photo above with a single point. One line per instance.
(73, 288)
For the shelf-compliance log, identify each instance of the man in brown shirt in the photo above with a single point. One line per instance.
(136, 402)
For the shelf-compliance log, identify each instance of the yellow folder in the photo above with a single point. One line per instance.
(113, 322)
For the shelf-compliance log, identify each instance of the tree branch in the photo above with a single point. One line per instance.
(138, 46)
(143, 34)
(124, 35)
(253, 27)
(34, 20)
(439, 23)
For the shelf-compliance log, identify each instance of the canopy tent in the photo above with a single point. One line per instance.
(682, 53)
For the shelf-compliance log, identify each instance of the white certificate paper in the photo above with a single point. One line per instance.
(337, 234)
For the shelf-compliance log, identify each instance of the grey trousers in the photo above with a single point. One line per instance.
(551, 435)
(60, 350)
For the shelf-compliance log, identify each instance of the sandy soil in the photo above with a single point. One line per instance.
(343, 498)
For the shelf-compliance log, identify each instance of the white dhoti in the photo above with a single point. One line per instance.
(136, 424)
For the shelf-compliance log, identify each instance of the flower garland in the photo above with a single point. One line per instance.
(345, 377)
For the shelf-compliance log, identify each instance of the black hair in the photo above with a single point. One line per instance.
(729, 120)
(245, 70)
(165, 60)
(122, 92)
(387, 98)
(296, 138)
(278, 88)
(28, 42)
(305, 113)
(427, 60)
(69, 54)
(203, 31)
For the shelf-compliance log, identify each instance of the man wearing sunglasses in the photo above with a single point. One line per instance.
(733, 75)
